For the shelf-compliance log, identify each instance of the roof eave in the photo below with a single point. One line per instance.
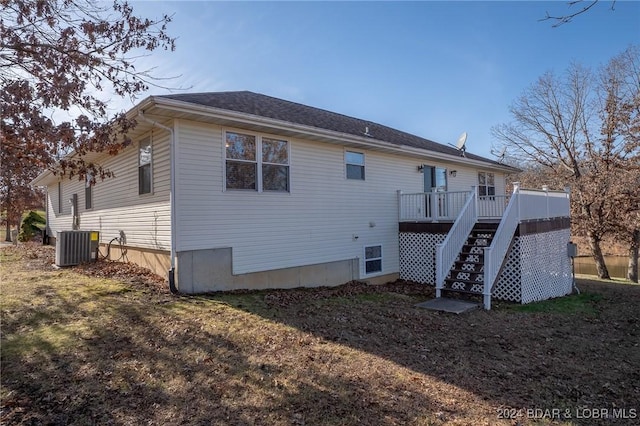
(47, 177)
(337, 137)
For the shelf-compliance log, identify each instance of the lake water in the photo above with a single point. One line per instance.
(617, 265)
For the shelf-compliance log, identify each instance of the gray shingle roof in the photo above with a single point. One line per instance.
(292, 112)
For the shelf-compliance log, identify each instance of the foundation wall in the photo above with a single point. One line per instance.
(202, 271)
(158, 261)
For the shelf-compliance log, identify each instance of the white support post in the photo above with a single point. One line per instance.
(474, 193)
(488, 273)
(516, 189)
(439, 271)
(545, 188)
(434, 205)
(399, 205)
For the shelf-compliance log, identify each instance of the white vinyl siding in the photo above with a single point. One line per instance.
(316, 222)
(116, 204)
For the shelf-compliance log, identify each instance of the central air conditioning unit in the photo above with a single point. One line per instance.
(75, 247)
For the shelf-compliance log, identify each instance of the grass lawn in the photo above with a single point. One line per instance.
(79, 349)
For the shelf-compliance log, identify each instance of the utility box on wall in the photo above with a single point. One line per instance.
(75, 247)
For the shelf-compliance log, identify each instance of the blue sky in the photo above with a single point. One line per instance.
(434, 69)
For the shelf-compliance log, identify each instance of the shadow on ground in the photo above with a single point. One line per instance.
(79, 350)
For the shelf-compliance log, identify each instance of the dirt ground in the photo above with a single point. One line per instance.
(107, 343)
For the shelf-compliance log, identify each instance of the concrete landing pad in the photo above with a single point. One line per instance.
(448, 305)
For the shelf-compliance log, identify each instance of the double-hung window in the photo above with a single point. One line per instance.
(145, 161)
(355, 165)
(242, 161)
(256, 163)
(275, 165)
(486, 184)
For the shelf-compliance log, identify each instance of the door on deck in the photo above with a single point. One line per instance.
(487, 203)
(435, 180)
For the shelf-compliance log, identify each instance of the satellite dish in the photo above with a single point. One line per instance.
(500, 156)
(460, 145)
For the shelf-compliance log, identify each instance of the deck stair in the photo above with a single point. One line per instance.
(467, 273)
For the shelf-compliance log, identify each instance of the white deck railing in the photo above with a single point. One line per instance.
(495, 253)
(419, 206)
(443, 206)
(541, 204)
(492, 206)
(447, 252)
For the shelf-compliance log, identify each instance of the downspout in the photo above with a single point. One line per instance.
(172, 198)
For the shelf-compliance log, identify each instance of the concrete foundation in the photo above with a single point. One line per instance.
(158, 261)
(201, 271)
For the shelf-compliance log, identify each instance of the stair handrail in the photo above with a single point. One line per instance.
(448, 250)
(494, 254)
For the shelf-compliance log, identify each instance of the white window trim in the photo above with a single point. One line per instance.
(259, 188)
(364, 258)
(60, 206)
(151, 189)
(486, 185)
(86, 186)
(344, 163)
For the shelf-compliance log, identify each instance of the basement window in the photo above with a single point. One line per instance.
(372, 259)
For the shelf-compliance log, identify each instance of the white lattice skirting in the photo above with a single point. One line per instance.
(507, 286)
(418, 256)
(545, 265)
(537, 266)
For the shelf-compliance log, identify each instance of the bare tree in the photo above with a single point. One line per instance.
(568, 17)
(577, 132)
(64, 55)
(619, 85)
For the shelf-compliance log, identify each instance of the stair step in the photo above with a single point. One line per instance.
(474, 244)
(467, 247)
(468, 262)
(473, 271)
(468, 253)
(463, 281)
(478, 293)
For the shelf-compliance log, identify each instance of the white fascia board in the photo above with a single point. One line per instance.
(336, 137)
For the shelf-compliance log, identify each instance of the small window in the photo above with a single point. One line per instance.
(241, 163)
(486, 184)
(59, 197)
(88, 192)
(372, 259)
(275, 165)
(355, 165)
(145, 158)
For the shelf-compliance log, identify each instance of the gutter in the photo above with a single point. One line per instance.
(172, 198)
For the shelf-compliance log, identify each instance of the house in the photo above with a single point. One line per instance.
(238, 190)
